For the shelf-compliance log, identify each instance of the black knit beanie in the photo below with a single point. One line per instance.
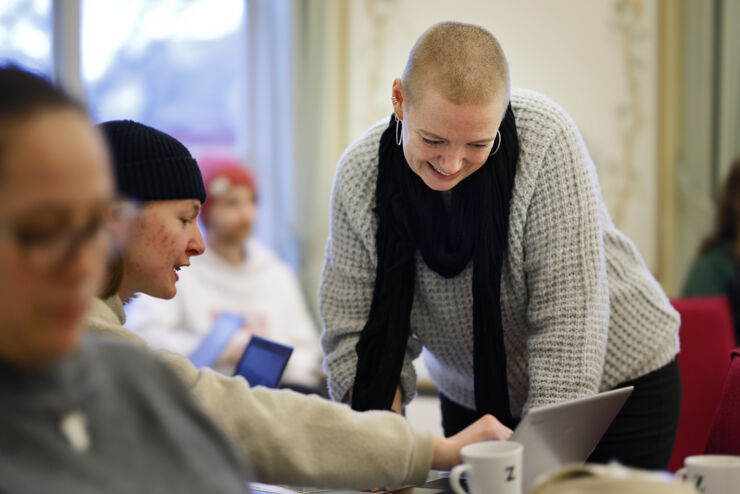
(151, 165)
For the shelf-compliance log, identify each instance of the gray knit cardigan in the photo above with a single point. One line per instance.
(581, 311)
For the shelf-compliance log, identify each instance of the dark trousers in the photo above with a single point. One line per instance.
(641, 435)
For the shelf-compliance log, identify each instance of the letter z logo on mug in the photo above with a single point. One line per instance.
(491, 466)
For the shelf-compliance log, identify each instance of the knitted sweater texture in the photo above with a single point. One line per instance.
(581, 312)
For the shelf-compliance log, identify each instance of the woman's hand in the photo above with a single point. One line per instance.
(397, 401)
(235, 348)
(447, 450)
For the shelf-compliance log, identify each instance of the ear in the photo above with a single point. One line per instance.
(397, 93)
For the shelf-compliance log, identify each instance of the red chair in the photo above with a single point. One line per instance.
(724, 437)
(707, 337)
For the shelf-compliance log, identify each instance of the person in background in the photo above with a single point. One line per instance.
(289, 438)
(715, 271)
(236, 275)
(471, 222)
(719, 252)
(79, 414)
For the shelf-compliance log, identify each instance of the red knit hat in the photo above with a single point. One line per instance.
(220, 173)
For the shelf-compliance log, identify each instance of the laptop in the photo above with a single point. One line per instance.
(567, 432)
(552, 436)
(263, 362)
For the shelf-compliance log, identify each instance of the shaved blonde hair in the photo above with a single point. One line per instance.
(463, 61)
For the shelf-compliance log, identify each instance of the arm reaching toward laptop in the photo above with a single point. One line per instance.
(297, 439)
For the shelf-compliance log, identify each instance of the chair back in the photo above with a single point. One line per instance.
(724, 436)
(707, 337)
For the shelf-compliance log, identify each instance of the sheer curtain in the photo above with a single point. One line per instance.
(270, 117)
(297, 125)
(710, 130)
(729, 77)
(320, 126)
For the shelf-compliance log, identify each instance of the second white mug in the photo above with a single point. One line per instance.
(491, 466)
(712, 474)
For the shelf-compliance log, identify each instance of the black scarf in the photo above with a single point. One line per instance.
(474, 225)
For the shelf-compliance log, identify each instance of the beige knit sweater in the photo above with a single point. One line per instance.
(581, 311)
(292, 438)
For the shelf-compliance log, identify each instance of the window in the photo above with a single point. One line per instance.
(25, 34)
(180, 66)
(177, 66)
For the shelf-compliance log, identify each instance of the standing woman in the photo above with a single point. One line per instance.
(472, 224)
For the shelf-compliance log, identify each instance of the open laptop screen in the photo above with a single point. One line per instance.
(263, 362)
(567, 432)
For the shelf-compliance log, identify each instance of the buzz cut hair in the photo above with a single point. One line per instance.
(464, 62)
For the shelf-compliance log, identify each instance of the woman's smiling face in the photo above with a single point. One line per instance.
(445, 142)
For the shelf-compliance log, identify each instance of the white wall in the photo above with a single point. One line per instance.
(597, 58)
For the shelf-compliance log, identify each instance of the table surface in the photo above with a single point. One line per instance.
(437, 483)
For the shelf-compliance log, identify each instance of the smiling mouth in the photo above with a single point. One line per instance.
(442, 172)
(176, 269)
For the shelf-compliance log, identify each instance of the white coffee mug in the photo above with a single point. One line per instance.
(712, 474)
(491, 466)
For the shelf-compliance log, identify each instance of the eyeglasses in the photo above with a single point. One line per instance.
(48, 249)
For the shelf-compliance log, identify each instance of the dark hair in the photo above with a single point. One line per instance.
(24, 94)
(114, 277)
(727, 221)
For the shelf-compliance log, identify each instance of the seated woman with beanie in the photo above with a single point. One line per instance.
(236, 275)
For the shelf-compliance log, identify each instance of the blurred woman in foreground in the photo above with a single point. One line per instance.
(79, 414)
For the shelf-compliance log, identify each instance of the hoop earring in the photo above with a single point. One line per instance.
(399, 136)
(498, 133)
